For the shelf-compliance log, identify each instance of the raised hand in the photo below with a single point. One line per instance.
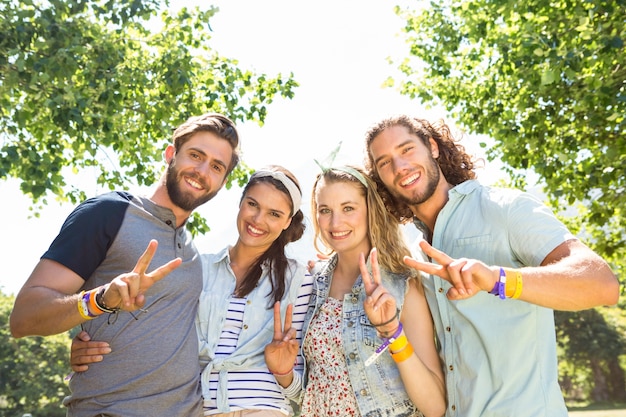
(467, 276)
(84, 351)
(280, 354)
(127, 290)
(380, 305)
(312, 266)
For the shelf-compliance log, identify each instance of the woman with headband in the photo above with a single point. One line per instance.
(244, 285)
(368, 334)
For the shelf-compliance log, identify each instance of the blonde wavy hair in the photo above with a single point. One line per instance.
(383, 230)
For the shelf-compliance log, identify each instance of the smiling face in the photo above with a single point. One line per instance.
(198, 170)
(264, 212)
(405, 165)
(341, 215)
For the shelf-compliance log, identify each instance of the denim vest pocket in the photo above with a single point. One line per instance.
(368, 332)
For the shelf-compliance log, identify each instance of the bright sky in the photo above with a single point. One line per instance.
(337, 50)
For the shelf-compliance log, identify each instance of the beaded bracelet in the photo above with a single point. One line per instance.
(99, 300)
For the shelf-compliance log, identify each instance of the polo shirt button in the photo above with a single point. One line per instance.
(350, 324)
(440, 289)
(363, 392)
(245, 326)
(447, 328)
(352, 355)
(451, 367)
(179, 245)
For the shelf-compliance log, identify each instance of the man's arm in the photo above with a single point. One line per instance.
(572, 277)
(48, 302)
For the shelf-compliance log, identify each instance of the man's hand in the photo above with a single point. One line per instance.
(467, 276)
(127, 290)
(84, 351)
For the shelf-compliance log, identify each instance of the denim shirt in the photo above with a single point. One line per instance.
(378, 387)
(258, 319)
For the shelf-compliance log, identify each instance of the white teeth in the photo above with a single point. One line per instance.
(339, 234)
(194, 184)
(255, 230)
(410, 180)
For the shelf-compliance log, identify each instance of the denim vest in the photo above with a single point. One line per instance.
(378, 388)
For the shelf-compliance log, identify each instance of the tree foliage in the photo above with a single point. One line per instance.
(592, 343)
(101, 85)
(32, 370)
(547, 81)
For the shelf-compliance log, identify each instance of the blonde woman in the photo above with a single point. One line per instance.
(356, 318)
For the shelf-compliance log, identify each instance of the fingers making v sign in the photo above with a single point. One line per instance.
(280, 354)
(126, 291)
(380, 305)
(467, 276)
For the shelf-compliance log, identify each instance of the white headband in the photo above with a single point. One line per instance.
(294, 192)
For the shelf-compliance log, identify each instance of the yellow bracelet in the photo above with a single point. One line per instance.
(398, 344)
(509, 290)
(82, 306)
(518, 284)
(404, 354)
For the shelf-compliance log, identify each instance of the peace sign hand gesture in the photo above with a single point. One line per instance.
(467, 276)
(127, 290)
(380, 305)
(280, 354)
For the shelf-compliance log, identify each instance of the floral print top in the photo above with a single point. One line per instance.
(328, 391)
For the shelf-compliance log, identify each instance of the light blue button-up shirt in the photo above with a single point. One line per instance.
(499, 355)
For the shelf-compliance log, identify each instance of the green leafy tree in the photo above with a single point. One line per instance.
(593, 342)
(547, 81)
(32, 370)
(101, 85)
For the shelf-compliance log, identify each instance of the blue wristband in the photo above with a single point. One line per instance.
(500, 288)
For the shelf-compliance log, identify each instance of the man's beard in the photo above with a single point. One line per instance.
(181, 199)
(432, 179)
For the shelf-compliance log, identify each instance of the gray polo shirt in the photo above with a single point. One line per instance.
(153, 367)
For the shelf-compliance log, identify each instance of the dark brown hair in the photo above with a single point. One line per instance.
(215, 123)
(275, 257)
